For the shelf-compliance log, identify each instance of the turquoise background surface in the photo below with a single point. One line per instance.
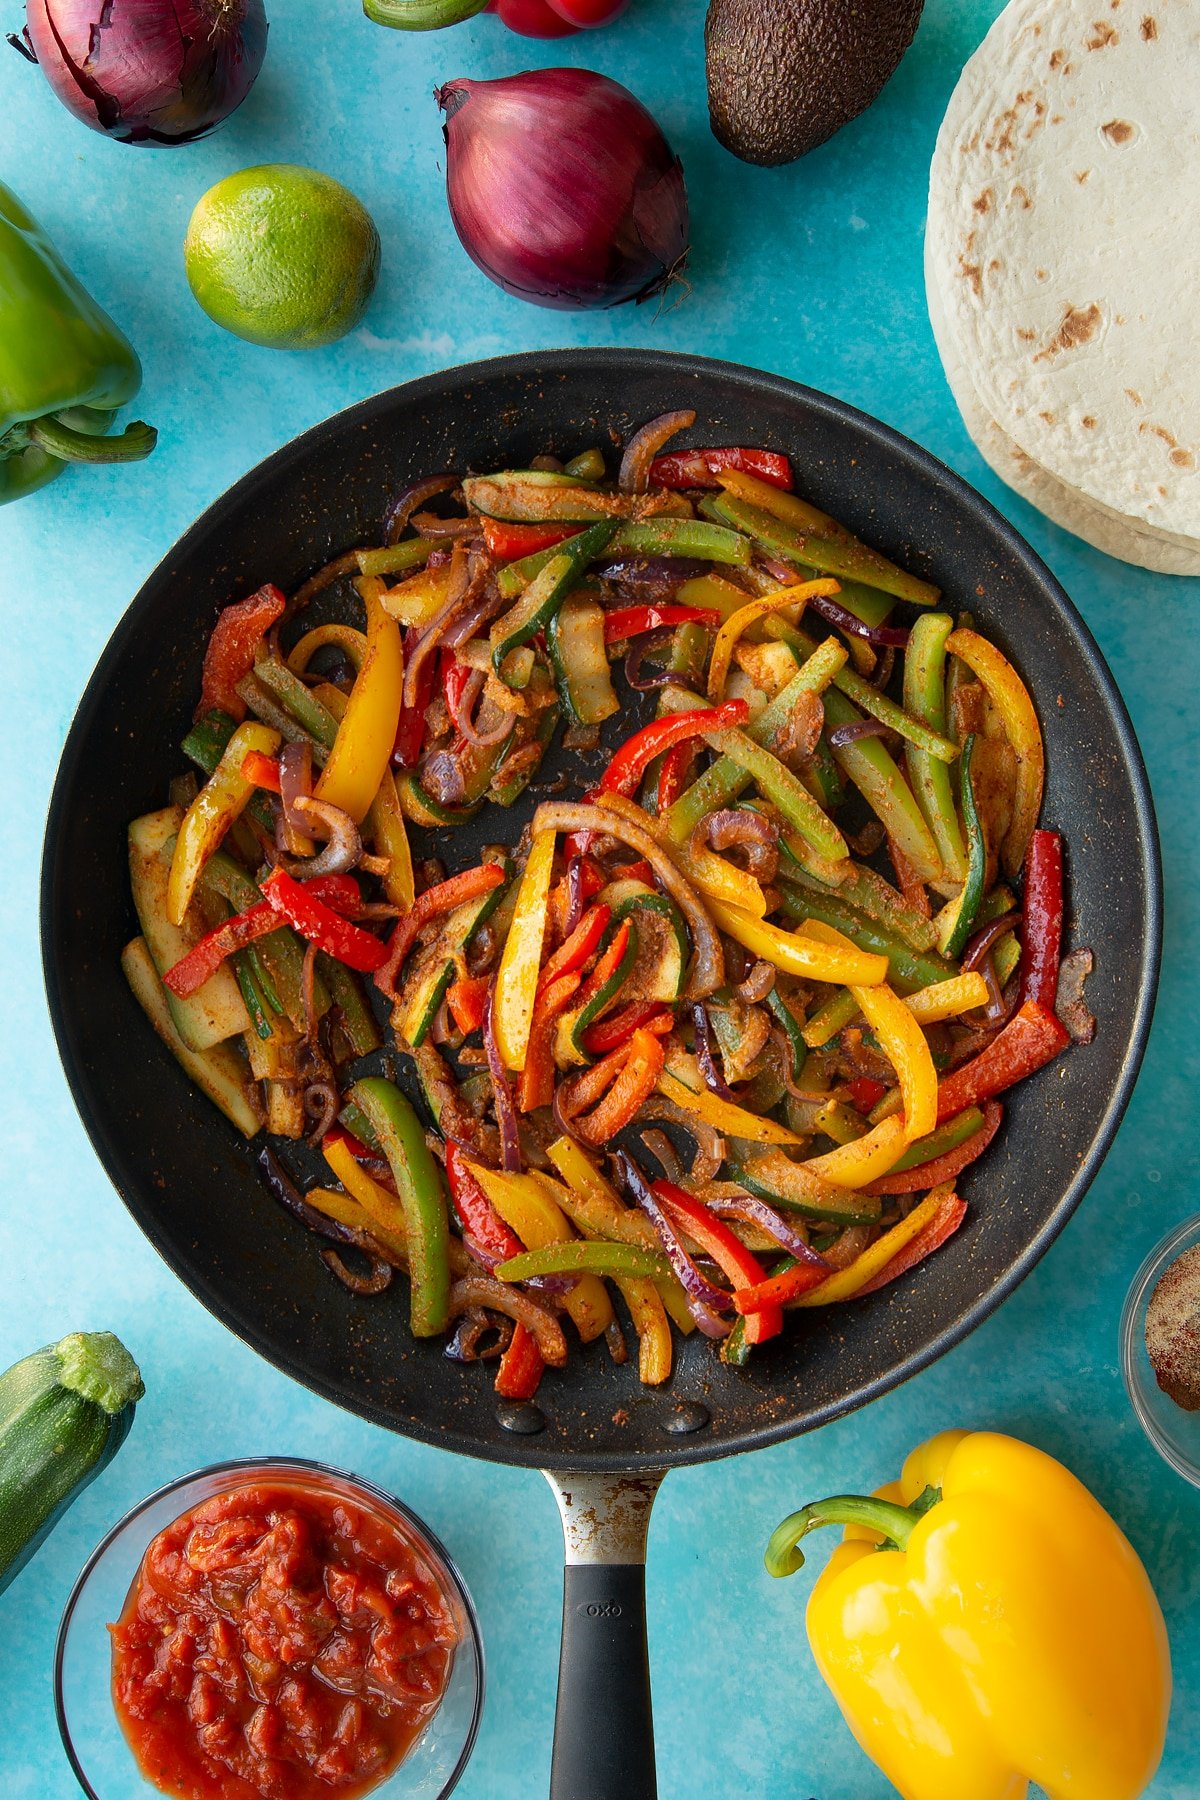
(814, 272)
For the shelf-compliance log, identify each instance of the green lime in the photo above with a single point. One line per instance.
(283, 256)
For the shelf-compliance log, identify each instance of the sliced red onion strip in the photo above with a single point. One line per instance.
(472, 689)
(706, 1060)
(645, 445)
(343, 851)
(650, 640)
(574, 896)
(977, 947)
(295, 783)
(506, 1112)
(757, 1212)
(656, 575)
(402, 508)
(841, 735)
(845, 620)
(704, 1300)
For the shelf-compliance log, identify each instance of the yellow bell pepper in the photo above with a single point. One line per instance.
(1010, 697)
(367, 734)
(380, 1212)
(863, 1159)
(1010, 1634)
(528, 1208)
(736, 623)
(900, 1038)
(221, 801)
(420, 598)
(843, 1284)
(682, 1082)
(389, 836)
(521, 961)
(947, 999)
(352, 644)
(839, 963)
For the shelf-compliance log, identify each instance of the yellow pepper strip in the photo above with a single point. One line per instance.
(1010, 697)
(704, 869)
(597, 1212)
(712, 591)
(900, 1038)
(352, 644)
(517, 976)
(947, 999)
(367, 734)
(219, 803)
(389, 837)
(863, 1159)
(347, 1211)
(681, 1082)
(527, 1208)
(846, 1282)
(799, 953)
(722, 651)
(416, 601)
(384, 1212)
(1011, 1637)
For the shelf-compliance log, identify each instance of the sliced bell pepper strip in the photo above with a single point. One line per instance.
(385, 824)
(478, 1218)
(422, 1196)
(367, 734)
(957, 922)
(650, 1321)
(579, 946)
(948, 999)
(470, 884)
(683, 537)
(849, 1282)
(636, 753)
(606, 980)
(1042, 906)
(535, 1086)
(865, 1092)
(944, 1223)
(419, 599)
(737, 623)
(636, 1080)
(546, 592)
(1010, 697)
(262, 771)
(351, 643)
(671, 776)
(295, 902)
(410, 728)
(622, 622)
(608, 1034)
(506, 541)
(808, 547)
(521, 1367)
(520, 963)
(942, 1139)
(525, 1205)
(700, 468)
(681, 1082)
(221, 801)
(784, 790)
(236, 636)
(578, 1256)
(909, 969)
(465, 998)
(1031, 1039)
(382, 1208)
(864, 1159)
(595, 1209)
(925, 698)
(800, 954)
(948, 1166)
(727, 1251)
(191, 972)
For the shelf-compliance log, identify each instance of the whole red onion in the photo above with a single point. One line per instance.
(149, 71)
(563, 189)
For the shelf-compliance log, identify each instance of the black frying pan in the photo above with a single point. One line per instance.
(191, 1183)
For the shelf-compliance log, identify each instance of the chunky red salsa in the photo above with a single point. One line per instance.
(280, 1642)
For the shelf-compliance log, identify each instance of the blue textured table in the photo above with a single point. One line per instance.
(812, 271)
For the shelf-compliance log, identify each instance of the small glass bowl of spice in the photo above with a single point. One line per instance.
(1160, 1348)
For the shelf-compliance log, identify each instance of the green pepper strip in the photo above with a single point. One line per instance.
(869, 893)
(909, 969)
(936, 745)
(299, 700)
(545, 594)
(682, 537)
(394, 559)
(720, 785)
(829, 1019)
(264, 706)
(925, 698)
(280, 951)
(422, 1195)
(587, 466)
(784, 790)
(346, 991)
(792, 1030)
(972, 892)
(734, 1349)
(266, 986)
(831, 556)
(586, 1257)
(942, 1139)
(355, 1120)
(255, 1004)
(875, 774)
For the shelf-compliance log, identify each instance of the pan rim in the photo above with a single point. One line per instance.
(984, 517)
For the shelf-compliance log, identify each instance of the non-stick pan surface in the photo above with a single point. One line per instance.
(191, 1182)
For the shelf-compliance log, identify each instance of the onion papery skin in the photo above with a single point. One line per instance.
(562, 188)
(149, 71)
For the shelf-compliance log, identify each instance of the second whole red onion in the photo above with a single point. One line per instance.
(563, 189)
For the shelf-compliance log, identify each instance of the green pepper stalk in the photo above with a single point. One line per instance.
(65, 367)
(894, 1523)
(421, 15)
(422, 1195)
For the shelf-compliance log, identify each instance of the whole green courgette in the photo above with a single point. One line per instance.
(65, 1411)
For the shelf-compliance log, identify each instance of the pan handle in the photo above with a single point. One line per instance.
(604, 1727)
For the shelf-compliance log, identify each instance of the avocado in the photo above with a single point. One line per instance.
(784, 75)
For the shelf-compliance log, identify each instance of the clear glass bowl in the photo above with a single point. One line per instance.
(96, 1746)
(1174, 1432)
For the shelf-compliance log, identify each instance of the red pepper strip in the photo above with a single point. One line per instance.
(262, 770)
(471, 884)
(535, 1084)
(629, 764)
(777, 1290)
(337, 1134)
(410, 731)
(640, 1015)
(579, 946)
(466, 999)
(727, 1251)
(865, 1093)
(631, 621)
(455, 676)
(608, 964)
(1043, 909)
(698, 468)
(944, 1223)
(521, 1366)
(942, 1168)
(1031, 1039)
(296, 902)
(675, 766)
(205, 958)
(637, 1080)
(507, 542)
(229, 657)
(475, 1213)
(636, 871)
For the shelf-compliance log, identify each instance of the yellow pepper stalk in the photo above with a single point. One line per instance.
(840, 963)
(367, 734)
(521, 961)
(219, 803)
(1009, 1635)
(528, 1209)
(1010, 697)
(681, 1082)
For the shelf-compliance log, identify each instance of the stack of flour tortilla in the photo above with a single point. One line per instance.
(1062, 264)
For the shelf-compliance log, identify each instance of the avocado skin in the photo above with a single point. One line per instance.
(785, 75)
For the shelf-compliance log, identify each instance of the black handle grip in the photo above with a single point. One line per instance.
(604, 1730)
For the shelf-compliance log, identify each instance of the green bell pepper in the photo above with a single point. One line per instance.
(422, 1193)
(65, 367)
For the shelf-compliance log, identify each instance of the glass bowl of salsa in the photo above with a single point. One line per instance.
(269, 1629)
